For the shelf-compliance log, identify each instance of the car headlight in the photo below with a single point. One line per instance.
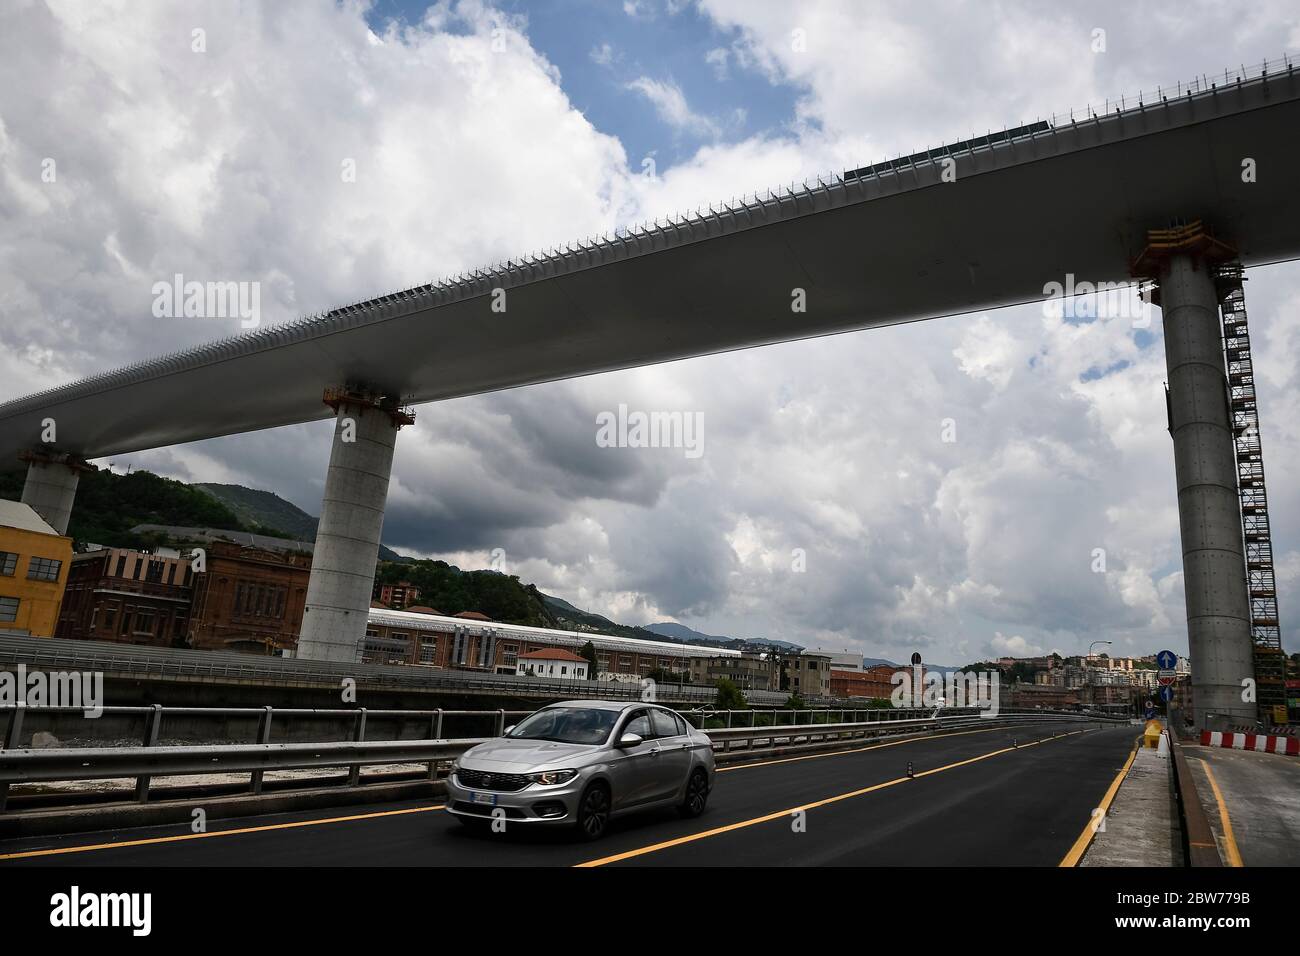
(552, 778)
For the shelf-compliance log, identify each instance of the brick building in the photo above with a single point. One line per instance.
(1047, 696)
(401, 595)
(873, 682)
(246, 598)
(249, 598)
(132, 597)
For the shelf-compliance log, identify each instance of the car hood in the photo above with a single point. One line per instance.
(507, 755)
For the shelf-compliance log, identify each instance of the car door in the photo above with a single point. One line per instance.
(633, 768)
(674, 760)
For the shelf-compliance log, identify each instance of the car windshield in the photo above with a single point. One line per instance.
(569, 725)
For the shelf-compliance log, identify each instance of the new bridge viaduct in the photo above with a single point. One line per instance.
(983, 224)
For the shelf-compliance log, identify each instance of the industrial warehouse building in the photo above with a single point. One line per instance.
(470, 643)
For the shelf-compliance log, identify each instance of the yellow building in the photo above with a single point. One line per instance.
(34, 561)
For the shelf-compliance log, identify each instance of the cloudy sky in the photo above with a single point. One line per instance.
(827, 508)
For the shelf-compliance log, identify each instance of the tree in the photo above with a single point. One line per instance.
(729, 696)
(588, 653)
(449, 589)
(795, 702)
(1021, 671)
(109, 505)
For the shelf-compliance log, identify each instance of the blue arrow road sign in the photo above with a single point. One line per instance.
(1166, 694)
(1166, 660)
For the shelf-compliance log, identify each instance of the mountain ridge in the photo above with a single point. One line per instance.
(266, 508)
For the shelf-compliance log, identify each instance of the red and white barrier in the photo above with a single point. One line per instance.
(1268, 743)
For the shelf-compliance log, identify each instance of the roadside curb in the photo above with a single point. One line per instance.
(1199, 846)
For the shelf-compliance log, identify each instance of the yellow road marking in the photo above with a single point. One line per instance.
(56, 851)
(1234, 856)
(855, 750)
(214, 833)
(766, 818)
(1085, 838)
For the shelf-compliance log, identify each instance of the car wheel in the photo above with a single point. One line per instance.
(593, 812)
(697, 794)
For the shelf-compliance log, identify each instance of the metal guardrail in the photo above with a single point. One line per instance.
(156, 713)
(790, 734)
(143, 763)
(750, 716)
(153, 720)
(149, 760)
(154, 716)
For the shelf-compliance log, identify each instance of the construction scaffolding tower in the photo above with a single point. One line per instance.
(1261, 583)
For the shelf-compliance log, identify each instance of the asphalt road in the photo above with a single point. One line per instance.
(1252, 801)
(974, 799)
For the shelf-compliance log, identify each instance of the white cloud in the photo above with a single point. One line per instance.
(1017, 646)
(718, 59)
(988, 352)
(670, 105)
(194, 163)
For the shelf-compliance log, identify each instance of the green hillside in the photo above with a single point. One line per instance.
(265, 508)
(108, 506)
(450, 590)
(575, 619)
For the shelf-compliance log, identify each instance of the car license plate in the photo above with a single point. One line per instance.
(489, 798)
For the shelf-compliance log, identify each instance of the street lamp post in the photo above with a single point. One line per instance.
(1087, 676)
(1090, 647)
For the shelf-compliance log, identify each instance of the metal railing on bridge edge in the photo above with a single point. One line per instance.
(147, 760)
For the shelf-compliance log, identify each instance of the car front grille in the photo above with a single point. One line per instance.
(500, 782)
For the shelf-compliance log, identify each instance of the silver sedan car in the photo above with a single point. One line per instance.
(581, 763)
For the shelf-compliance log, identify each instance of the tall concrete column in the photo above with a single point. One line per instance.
(51, 486)
(347, 538)
(1209, 511)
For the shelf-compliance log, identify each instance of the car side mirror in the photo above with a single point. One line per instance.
(629, 740)
(506, 732)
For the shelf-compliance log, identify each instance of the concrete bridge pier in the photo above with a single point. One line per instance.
(1209, 510)
(51, 486)
(351, 520)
